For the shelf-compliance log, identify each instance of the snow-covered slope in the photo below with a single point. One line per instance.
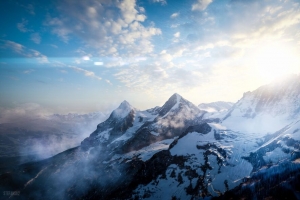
(215, 109)
(267, 109)
(210, 165)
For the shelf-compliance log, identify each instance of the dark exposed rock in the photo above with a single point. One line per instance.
(279, 182)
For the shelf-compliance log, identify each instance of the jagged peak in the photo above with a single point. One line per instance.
(123, 109)
(176, 96)
(174, 102)
(125, 104)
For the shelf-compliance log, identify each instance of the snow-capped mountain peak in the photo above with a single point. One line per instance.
(123, 110)
(174, 103)
(124, 104)
(178, 97)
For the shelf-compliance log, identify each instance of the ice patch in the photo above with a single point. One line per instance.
(104, 135)
(275, 156)
(147, 152)
(154, 133)
(186, 145)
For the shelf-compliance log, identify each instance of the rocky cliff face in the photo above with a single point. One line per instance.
(115, 126)
(130, 129)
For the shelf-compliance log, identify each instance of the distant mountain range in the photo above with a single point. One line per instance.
(33, 138)
(246, 150)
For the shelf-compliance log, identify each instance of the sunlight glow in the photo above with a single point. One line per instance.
(275, 60)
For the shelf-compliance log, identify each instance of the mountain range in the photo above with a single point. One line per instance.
(246, 150)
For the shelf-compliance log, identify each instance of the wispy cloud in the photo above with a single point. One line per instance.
(16, 47)
(162, 2)
(30, 9)
(22, 26)
(174, 15)
(108, 81)
(24, 51)
(36, 38)
(156, 78)
(13, 78)
(29, 71)
(177, 34)
(59, 28)
(201, 5)
(85, 72)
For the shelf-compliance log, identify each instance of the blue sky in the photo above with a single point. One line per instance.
(81, 56)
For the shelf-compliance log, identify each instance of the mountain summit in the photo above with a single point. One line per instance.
(116, 125)
(175, 103)
(123, 110)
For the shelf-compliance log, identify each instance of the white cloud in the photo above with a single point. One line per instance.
(177, 34)
(59, 29)
(174, 15)
(113, 27)
(212, 57)
(30, 8)
(163, 2)
(164, 57)
(22, 26)
(85, 72)
(16, 47)
(142, 9)
(36, 38)
(36, 54)
(108, 81)
(24, 51)
(157, 78)
(201, 5)
(175, 25)
(29, 71)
